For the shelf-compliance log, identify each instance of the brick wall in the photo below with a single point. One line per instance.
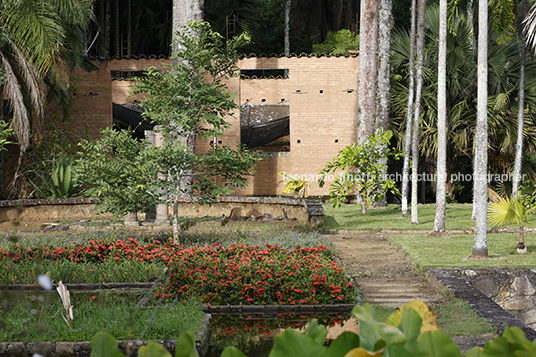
(323, 112)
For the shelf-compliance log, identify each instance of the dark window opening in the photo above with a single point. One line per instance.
(127, 75)
(264, 73)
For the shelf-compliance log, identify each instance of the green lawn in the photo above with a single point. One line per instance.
(349, 217)
(36, 317)
(445, 252)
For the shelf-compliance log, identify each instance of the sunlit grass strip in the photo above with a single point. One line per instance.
(453, 252)
(458, 216)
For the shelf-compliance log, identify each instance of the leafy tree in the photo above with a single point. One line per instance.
(338, 43)
(363, 168)
(121, 169)
(191, 101)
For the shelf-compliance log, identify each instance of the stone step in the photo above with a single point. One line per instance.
(390, 302)
(390, 290)
(373, 285)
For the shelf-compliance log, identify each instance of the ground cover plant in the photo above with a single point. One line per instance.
(237, 274)
(36, 317)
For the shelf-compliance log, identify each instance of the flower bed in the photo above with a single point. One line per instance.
(243, 274)
(239, 274)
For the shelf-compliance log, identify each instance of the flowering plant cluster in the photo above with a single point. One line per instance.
(216, 275)
(96, 252)
(251, 275)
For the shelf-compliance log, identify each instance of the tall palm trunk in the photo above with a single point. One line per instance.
(384, 73)
(184, 11)
(417, 115)
(288, 5)
(480, 245)
(368, 64)
(520, 113)
(409, 112)
(441, 168)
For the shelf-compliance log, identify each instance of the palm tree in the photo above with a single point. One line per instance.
(513, 210)
(521, 109)
(38, 40)
(439, 222)
(504, 74)
(421, 34)
(480, 245)
(409, 112)
(368, 64)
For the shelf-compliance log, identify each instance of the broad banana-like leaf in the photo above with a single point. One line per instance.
(104, 345)
(232, 352)
(343, 344)
(297, 344)
(429, 321)
(372, 331)
(185, 346)
(516, 335)
(153, 349)
(475, 352)
(317, 332)
(361, 352)
(436, 344)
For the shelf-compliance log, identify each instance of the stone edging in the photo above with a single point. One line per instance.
(83, 349)
(51, 201)
(89, 287)
(484, 306)
(278, 309)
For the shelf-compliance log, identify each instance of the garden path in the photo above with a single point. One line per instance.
(384, 274)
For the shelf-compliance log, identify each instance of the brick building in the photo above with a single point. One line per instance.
(307, 105)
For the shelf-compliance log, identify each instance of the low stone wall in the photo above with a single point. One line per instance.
(302, 210)
(513, 289)
(305, 211)
(500, 295)
(50, 210)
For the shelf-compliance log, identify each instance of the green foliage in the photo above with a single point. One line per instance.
(408, 335)
(6, 129)
(120, 167)
(192, 95)
(191, 100)
(62, 182)
(363, 165)
(338, 43)
(295, 185)
(512, 210)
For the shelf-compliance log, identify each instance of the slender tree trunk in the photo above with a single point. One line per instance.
(184, 11)
(287, 27)
(129, 28)
(116, 31)
(409, 112)
(368, 63)
(520, 114)
(417, 115)
(385, 21)
(480, 245)
(441, 171)
(384, 64)
(107, 30)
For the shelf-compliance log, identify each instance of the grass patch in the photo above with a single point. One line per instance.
(37, 317)
(457, 319)
(452, 252)
(128, 271)
(458, 216)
